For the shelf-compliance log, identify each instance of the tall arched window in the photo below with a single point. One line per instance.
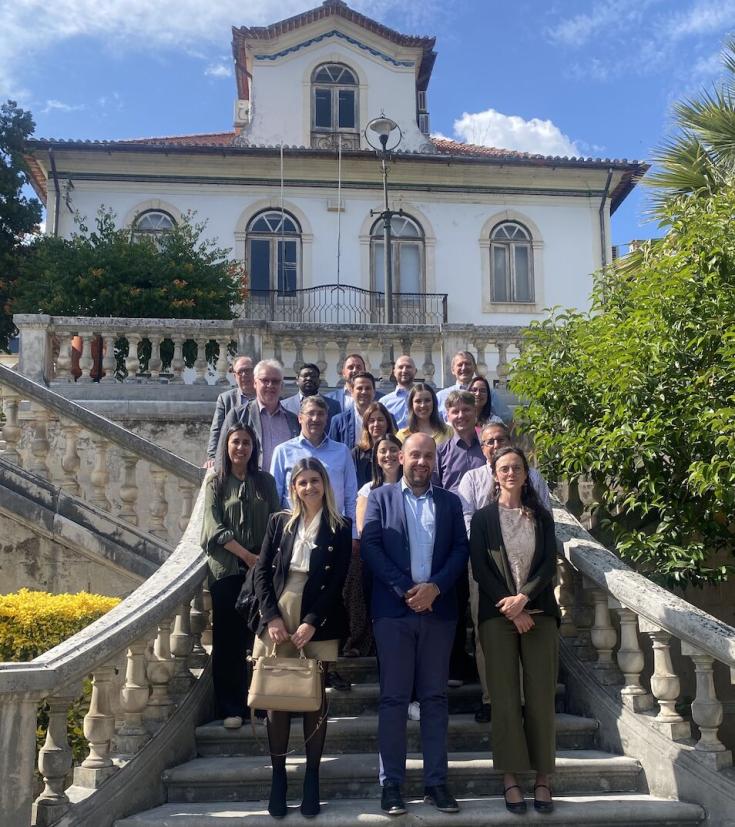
(152, 224)
(511, 264)
(407, 254)
(274, 252)
(334, 103)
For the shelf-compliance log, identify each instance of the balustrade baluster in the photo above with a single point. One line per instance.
(481, 359)
(39, 442)
(584, 614)
(565, 597)
(186, 494)
(159, 504)
(631, 662)
(503, 367)
(428, 367)
(665, 684)
(222, 365)
(386, 364)
(54, 763)
(129, 488)
(207, 609)
(277, 352)
(11, 428)
(200, 365)
(70, 460)
(365, 345)
(109, 363)
(99, 727)
(707, 711)
(298, 361)
(321, 360)
(132, 734)
(100, 475)
(198, 622)
(155, 363)
(181, 646)
(63, 360)
(132, 363)
(604, 637)
(160, 669)
(86, 363)
(177, 361)
(341, 359)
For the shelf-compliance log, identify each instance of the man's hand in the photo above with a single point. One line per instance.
(277, 630)
(523, 623)
(421, 597)
(511, 607)
(303, 635)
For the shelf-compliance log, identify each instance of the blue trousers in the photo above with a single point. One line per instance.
(413, 651)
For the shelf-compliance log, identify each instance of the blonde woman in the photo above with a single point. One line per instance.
(424, 416)
(298, 582)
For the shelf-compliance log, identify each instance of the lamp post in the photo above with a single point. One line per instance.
(388, 135)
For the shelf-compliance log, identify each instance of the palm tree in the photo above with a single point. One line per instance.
(700, 159)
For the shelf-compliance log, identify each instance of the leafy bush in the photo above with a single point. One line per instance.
(31, 623)
(640, 393)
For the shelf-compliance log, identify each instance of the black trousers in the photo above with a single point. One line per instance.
(231, 640)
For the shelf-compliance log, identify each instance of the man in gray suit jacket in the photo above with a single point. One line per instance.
(308, 382)
(241, 394)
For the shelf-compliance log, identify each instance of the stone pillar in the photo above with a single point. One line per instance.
(132, 363)
(159, 504)
(631, 662)
(665, 684)
(181, 646)
(177, 361)
(222, 363)
(54, 764)
(198, 622)
(200, 365)
(428, 367)
(129, 488)
(39, 442)
(100, 473)
(155, 363)
(11, 429)
(17, 758)
(160, 669)
(132, 733)
(63, 360)
(86, 362)
(109, 363)
(565, 597)
(70, 460)
(186, 493)
(99, 727)
(503, 367)
(34, 357)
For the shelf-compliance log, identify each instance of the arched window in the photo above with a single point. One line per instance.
(274, 252)
(511, 264)
(152, 224)
(407, 255)
(334, 99)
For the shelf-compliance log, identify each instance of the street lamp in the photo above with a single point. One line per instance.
(384, 135)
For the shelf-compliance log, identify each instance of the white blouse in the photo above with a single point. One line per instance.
(304, 543)
(519, 536)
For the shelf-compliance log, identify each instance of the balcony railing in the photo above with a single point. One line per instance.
(343, 304)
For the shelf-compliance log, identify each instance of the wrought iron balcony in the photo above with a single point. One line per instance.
(343, 304)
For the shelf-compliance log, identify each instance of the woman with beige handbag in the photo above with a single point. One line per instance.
(298, 582)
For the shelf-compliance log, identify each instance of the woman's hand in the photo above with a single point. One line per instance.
(277, 631)
(511, 607)
(523, 623)
(303, 635)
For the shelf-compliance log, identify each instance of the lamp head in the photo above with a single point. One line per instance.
(386, 131)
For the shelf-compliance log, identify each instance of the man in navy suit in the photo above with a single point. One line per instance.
(415, 546)
(346, 427)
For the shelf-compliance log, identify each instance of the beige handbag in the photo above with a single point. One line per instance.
(286, 684)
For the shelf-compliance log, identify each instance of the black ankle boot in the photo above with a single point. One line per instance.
(310, 801)
(277, 801)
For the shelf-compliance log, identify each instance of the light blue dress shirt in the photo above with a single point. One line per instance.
(334, 456)
(420, 521)
(397, 403)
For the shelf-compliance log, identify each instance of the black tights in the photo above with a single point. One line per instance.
(279, 728)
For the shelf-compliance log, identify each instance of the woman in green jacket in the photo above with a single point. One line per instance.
(513, 554)
(239, 500)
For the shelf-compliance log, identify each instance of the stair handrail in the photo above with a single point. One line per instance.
(28, 389)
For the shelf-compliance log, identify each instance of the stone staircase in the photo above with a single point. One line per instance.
(227, 783)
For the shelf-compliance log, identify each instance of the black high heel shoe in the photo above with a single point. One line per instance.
(277, 801)
(515, 807)
(542, 806)
(310, 806)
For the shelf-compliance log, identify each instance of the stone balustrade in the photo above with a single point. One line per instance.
(140, 655)
(192, 352)
(642, 643)
(87, 455)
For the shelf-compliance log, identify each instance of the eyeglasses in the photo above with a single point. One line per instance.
(273, 382)
(508, 469)
(495, 440)
(243, 371)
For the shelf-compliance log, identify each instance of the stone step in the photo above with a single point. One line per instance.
(358, 670)
(572, 811)
(247, 778)
(363, 697)
(359, 734)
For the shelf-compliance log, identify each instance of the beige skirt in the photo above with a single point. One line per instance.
(289, 605)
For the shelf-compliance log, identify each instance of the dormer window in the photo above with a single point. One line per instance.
(334, 106)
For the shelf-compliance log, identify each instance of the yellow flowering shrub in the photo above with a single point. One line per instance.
(32, 622)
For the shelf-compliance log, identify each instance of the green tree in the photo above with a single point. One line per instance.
(19, 215)
(109, 271)
(640, 393)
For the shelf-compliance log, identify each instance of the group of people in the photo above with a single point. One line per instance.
(369, 527)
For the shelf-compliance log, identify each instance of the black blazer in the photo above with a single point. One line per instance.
(491, 569)
(322, 604)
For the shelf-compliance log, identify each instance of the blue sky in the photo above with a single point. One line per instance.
(587, 77)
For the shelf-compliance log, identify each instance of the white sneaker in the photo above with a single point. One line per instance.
(414, 711)
(232, 722)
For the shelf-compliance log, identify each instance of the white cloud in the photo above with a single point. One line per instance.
(30, 27)
(702, 18)
(492, 128)
(60, 106)
(598, 20)
(218, 70)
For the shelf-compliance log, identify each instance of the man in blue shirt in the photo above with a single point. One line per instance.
(415, 547)
(396, 402)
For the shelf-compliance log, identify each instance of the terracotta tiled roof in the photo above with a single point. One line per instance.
(445, 146)
(203, 139)
(340, 9)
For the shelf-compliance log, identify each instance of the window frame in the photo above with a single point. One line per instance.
(154, 235)
(508, 246)
(376, 237)
(274, 239)
(335, 87)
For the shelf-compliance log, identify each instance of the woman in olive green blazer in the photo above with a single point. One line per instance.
(239, 500)
(513, 554)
